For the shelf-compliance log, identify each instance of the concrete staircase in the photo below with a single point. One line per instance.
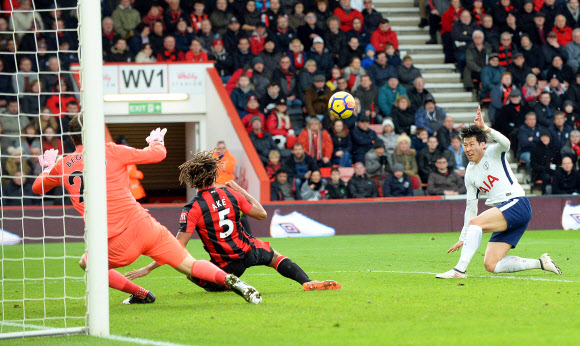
(442, 80)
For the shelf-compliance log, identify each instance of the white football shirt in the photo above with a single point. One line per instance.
(492, 176)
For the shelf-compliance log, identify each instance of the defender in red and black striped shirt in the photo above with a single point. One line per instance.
(215, 215)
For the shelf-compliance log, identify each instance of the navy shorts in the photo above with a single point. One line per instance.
(517, 213)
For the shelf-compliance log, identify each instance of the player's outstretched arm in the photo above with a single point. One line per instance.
(257, 211)
(470, 212)
(154, 153)
(502, 140)
(45, 181)
(182, 237)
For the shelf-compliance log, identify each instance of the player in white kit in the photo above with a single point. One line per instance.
(488, 171)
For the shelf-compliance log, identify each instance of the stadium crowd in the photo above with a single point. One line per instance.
(281, 61)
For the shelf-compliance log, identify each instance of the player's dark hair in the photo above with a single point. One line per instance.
(473, 131)
(75, 128)
(201, 171)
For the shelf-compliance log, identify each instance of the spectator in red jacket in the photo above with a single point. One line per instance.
(195, 53)
(279, 126)
(274, 164)
(346, 15)
(563, 31)
(447, 20)
(317, 142)
(154, 15)
(450, 16)
(252, 110)
(258, 38)
(57, 103)
(170, 52)
(383, 35)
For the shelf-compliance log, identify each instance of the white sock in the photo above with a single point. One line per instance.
(470, 245)
(512, 264)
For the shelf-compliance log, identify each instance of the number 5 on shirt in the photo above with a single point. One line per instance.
(224, 221)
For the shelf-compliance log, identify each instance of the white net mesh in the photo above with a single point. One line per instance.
(42, 286)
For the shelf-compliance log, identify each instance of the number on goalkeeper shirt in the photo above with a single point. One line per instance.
(72, 182)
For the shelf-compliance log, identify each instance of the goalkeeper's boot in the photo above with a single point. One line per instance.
(548, 264)
(149, 298)
(249, 293)
(451, 274)
(321, 285)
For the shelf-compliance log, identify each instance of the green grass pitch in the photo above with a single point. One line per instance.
(389, 295)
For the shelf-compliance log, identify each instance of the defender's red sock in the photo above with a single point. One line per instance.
(205, 270)
(121, 283)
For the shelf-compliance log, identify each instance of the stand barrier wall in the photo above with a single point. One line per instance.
(370, 216)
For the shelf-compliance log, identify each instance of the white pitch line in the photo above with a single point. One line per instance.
(24, 325)
(140, 341)
(511, 277)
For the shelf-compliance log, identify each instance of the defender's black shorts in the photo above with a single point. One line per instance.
(260, 255)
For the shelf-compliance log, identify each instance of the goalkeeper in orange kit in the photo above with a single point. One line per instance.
(131, 230)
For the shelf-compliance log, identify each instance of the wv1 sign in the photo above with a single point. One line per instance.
(154, 78)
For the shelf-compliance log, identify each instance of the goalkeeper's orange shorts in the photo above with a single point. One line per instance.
(145, 237)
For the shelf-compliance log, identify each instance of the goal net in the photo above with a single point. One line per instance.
(42, 290)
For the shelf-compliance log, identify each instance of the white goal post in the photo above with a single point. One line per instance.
(91, 60)
(93, 316)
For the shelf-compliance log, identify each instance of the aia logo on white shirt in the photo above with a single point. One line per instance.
(488, 184)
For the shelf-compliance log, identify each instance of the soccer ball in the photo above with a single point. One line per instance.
(341, 105)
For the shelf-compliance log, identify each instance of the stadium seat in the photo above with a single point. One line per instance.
(346, 173)
(378, 128)
(325, 172)
(416, 183)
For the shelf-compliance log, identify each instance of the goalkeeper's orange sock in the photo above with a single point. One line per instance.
(121, 283)
(207, 271)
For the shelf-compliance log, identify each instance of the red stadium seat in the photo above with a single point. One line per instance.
(325, 172)
(415, 182)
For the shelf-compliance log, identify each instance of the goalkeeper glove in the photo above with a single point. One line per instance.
(48, 160)
(156, 136)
